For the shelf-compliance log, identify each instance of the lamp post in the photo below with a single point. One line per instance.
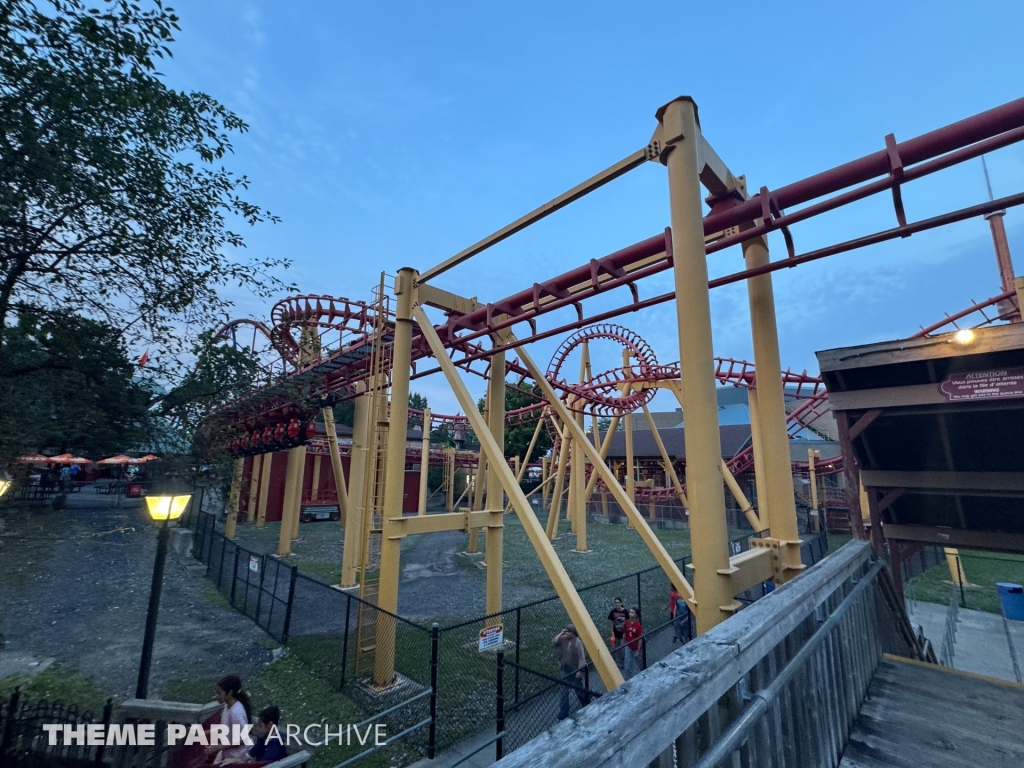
(165, 509)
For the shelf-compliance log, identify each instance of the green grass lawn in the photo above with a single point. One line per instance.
(58, 683)
(982, 570)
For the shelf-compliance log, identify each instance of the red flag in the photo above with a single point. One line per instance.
(144, 359)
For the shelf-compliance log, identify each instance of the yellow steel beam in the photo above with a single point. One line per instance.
(495, 494)
(339, 473)
(463, 520)
(708, 530)
(362, 439)
(261, 511)
(592, 638)
(421, 507)
(750, 568)
(254, 488)
(635, 160)
(394, 471)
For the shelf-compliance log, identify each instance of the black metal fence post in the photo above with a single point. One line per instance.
(519, 624)
(288, 610)
(12, 717)
(639, 599)
(432, 732)
(344, 641)
(220, 565)
(499, 720)
(960, 578)
(234, 575)
(108, 708)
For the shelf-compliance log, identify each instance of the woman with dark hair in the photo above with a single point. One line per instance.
(236, 711)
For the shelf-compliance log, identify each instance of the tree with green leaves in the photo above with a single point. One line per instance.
(114, 203)
(68, 385)
(517, 437)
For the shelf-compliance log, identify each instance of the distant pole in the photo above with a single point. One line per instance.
(1002, 247)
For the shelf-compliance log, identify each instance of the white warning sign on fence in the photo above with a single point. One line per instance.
(492, 637)
(254, 563)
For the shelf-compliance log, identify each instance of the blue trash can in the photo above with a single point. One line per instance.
(1011, 597)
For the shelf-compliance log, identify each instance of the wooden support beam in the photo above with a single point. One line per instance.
(954, 537)
(996, 483)
(864, 422)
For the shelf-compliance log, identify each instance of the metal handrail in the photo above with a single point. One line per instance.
(764, 698)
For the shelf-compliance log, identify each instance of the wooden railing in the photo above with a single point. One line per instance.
(781, 683)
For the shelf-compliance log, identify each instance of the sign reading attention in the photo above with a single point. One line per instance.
(492, 637)
(999, 384)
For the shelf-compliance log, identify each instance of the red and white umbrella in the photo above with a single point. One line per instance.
(33, 458)
(119, 459)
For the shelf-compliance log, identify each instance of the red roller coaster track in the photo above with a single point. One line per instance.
(888, 169)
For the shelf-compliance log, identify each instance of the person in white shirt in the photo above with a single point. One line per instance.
(236, 711)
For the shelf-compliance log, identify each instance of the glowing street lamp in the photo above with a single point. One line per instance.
(162, 509)
(167, 507)
(5, 486)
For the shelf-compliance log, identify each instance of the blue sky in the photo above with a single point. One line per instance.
(387, 135)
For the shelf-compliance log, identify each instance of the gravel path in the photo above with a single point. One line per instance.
(81, 598)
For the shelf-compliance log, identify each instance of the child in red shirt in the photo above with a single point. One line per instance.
(632, 632)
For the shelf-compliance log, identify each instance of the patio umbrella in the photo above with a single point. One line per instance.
(119, 459)
(63, 458)
(33, 458)
(149, 457)
(79, 460)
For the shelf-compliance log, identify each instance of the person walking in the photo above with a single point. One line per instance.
(632, 632)
(678, 611)
(572, 660)
(617, 618)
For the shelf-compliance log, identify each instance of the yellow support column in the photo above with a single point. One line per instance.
(709, 534)
(254, 488)
(955, 565)
(771, 408)
(579, 482)
(544, 470)
(300, 474)
(394, 491)
(812, 476)
(261, 511)
(291, 478)
(341, 491)
(362, 438)
(630, 460)
(495, 492)
(314, 483)
(557, 489)
(479, 484)
(758, 450)
(421, 507)
(449, 471)
(236, 492)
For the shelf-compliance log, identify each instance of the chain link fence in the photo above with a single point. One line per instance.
(380, 660)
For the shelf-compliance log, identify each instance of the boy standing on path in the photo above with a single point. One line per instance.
(617, 618)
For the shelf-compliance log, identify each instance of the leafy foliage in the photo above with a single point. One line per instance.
(68, 386)
(517, 438)
(113, 202)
